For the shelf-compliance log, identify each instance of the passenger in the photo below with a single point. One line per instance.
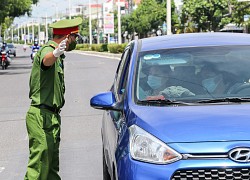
(159, 84)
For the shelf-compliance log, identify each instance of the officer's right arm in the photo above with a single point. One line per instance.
(49, 59)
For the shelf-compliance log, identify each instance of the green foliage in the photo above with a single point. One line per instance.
(116, 48)
(149, 15)
(99, 47)
(112, 48)
(21, 41)
(211, 15)
(79, 46)
(206, 14)
(9, 9)
(15, 8)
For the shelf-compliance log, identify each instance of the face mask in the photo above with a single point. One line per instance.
(154, 82)
(72, 46)
(211, 83)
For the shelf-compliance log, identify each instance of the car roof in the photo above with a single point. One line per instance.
(193, 40)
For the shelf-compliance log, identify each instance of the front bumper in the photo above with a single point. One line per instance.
(129, 169)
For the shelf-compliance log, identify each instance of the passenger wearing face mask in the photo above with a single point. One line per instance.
(158, 78)
(215, 81)
(161, 85)
(156, 81)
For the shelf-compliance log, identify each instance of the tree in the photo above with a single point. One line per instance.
(13, 8)
(239, 9)
(207, 14)
(212, 15)
(149, 15)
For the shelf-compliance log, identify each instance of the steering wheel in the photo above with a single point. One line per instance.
(240, 88)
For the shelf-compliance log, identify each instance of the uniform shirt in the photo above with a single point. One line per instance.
(47, 84)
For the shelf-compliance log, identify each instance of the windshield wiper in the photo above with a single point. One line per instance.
(163, 102)
(219, 100)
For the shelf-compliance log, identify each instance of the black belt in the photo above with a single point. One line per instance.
(52, 109)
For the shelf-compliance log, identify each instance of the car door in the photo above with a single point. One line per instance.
(114, 119)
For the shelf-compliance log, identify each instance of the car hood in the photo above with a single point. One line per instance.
(194, 123)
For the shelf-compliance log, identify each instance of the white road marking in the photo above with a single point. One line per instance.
(1, 169)
(103, 56)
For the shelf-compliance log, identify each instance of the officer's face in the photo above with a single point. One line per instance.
(71, 44)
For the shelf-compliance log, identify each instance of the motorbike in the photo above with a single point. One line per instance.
(5, 60)
(33, 54)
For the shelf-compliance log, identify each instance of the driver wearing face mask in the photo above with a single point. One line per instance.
(213, 81)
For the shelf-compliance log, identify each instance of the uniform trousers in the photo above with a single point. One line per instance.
(43, 127)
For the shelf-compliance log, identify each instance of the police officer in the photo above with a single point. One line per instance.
(47, 98)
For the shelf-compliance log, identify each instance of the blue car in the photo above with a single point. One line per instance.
(179, 109)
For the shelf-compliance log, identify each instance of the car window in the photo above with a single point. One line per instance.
(10, 45)
(192, 74)
(120, 81)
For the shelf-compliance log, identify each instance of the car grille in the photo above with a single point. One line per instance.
(213, 174)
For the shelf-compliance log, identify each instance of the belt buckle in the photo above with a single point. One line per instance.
(57, 111)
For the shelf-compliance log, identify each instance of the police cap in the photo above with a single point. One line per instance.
(66, 26)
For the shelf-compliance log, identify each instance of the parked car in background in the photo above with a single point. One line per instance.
(12, 49)
(179, 109)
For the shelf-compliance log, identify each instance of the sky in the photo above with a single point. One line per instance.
(50, 7)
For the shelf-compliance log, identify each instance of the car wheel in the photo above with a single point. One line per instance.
(106, 175)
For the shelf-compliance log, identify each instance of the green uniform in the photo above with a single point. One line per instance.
(46, 90)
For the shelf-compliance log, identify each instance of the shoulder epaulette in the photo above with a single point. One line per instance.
(52, 45)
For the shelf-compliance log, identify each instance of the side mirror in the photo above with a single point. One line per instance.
(105, 101)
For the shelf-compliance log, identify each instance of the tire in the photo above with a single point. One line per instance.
(106, 175)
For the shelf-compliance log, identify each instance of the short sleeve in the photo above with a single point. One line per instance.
(44, 51)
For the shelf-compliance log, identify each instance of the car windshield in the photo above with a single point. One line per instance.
(10, 46)
(193, 74)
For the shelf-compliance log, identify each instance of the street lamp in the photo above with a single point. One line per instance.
(90, 25)
(69, 9)
(119, 22)
(169, 17)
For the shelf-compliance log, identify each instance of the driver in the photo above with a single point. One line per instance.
(215, 81)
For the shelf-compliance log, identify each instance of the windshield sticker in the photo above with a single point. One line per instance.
(156, 56)
(151, 56)
(147, 57)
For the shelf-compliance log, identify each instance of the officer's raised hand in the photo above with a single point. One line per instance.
(50, 58)
(61, 48)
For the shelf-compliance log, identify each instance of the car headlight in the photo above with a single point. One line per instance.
(145, 147)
